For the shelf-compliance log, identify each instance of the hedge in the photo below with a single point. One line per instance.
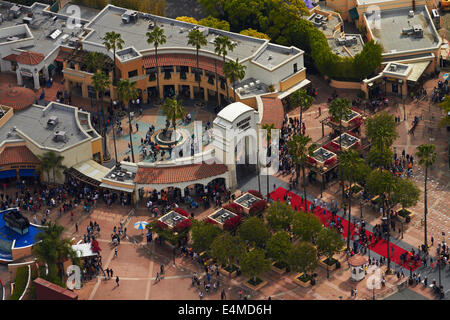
(21, 283)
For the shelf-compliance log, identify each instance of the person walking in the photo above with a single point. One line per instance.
(162, 268)
(158, 277)
(111, 272)
(76, 226)
(200, 295)
(115, 252)
(117, 280)
(223, 295)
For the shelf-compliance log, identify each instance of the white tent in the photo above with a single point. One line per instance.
(83, 250)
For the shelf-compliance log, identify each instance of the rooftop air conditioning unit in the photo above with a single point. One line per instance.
(53, 121)
(411, 14)
(394, 67)
(60, 136)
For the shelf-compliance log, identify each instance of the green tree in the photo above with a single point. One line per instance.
(187, 19)
(306, 226)
(173, 110)
(254, 232)
(157, 38)
(329, 242)
(203, 235)
(234, 71)
(278, 246)
(227, 249)
(127, 90)
(197, 39)
(382, 132)
(51, 161)
(215, 23)
(368, 60)
(95, 61)
(52, 249)
(221, 46)
(445, 105)
(279, 216)
(101, 82)
(254, 33)
(406, 193)
(254, 263)
(302, 100)
(427, 156)
(303, 258)
(299, 151)
(113, 41)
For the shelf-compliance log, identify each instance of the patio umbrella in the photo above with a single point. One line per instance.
(445, 76)
(140, 225)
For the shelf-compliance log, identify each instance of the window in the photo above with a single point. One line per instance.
(150, 70)
(211, 79)
(152, 77)
(183, 75)
(198, 77)
(133, 73)
(295, 67)
(167, 75)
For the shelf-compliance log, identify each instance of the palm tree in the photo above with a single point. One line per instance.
(52, 161)
(173, 110)
(127, 90)
(427, 156)
(301, 99)
(46, 165)
(101, 82)
(95, 61)
(382, 132)
(350, 163)
(221, 46)
(234, 71)
(156, 37)
(53, 250)
(339, 109)
(299, 151)
(268, 127)
(197, 39)
(113, 41)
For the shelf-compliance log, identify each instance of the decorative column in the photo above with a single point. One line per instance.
(19, 77)
(205, 94)
(36, 80)
(191, 91)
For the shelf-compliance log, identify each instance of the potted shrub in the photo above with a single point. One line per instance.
(232, 223)
(407, 194)
(303, 279)
(234, 207)
(256, 193)
(356, 190)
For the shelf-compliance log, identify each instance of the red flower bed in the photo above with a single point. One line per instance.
(357, 110)
(331, 146)
(210, 221)
(256, 193)
(161, 225)
(234, 207)
(182, 212)
(312, 160)
(330, 162)
(356, 122)
(232, 223)
(183, 225)
(257, 207)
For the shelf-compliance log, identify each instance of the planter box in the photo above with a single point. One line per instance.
(403, 219)
(357, 194)
(228, 274)
(304, 284)
(324, 265)
(278, 270)
(209, 260)
(257, 287)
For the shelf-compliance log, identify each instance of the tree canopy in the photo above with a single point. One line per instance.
(253, 263)
(303, 257)
(306, 226)
(279, 216)
(227, 248)
(203, 235)
(279, 246)
(329, 242)
(254, 232)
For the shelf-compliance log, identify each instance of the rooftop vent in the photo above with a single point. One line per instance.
(129, 16)
(411, 14)
(393, 67)
(60, 136)
(53, 121)
(269, 57)
(55, 34)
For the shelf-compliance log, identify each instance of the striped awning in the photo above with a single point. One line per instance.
(92, 170)
(189, 60)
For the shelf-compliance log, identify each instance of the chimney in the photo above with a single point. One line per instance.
(414, 5)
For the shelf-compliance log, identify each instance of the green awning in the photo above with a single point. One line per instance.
(353, 14)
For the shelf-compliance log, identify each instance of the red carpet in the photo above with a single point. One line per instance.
(379, 247)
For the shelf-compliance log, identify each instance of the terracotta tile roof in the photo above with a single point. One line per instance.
(11, 57)
(181, 59)
(178, 174)
(18, 154)
(273, 112)
(63, 55)
(18, 98)
(30, 57)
